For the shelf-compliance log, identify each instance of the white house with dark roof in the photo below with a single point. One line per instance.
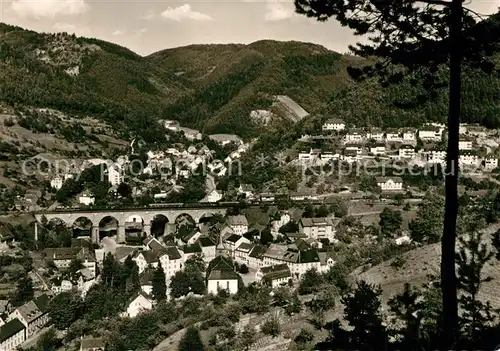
(208, 248)
(62, 257)
(435, 156)
(333, 124)
(375, 134)
(233, 241)
(377, 148)
(275, 275)
(351, 156)
(390, 183)
(12, 335)
(409, 135)
(465, 142)
(33, 315)
(115, 174)
(430, 133)
(56, 182)
(490, 162)
(86, 198)
(355, 136)
(242, 251)
(222, 276)
(146, 258)
(224, 139)
(469, 158)
(300, 260)
(214, 196)
(406, 151)
(246, 189)
(317, 228)
(255, 256)
(172, 261)
(238, 223)
(393, 135)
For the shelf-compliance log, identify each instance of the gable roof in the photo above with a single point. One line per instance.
(42, 302)
(385, 179)
(10, 329)
(173, 253)
(234, 238)
(92, 343)
(237, 220)
(222, 270)
(205, 241)
(195, 248)
(278, 271)
(150, 256)
(29, 311)
(244, 247)
(257, 251)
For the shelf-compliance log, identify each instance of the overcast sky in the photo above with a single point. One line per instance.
(149, 26)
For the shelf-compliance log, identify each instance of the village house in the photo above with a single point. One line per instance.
(56, 183)
(317, 228)
(144, 259)
(333, 124)
(465, 143)
(469, 159)
(393, 135)
(275, 275)
(327, 156)
(191, 134)
(267, 197)
(299, 261)
(390, 183)
(222, 276)
(309, 156)
(151, 243)
(246, 189)
(224, 139)
(171, 261)
(12, 334)
(351, 156)
(435, 156)
(377, 148)
(490, 162)
(233, 242)
(141, 303)
(115, 174)
(171, 125)
(62, 257)
(242, 251)
(92, 344)
(375, 134)
(214, 196)
(477, 131)
(208, 248)
(430, 133)
(238, 223)
(86, 198)
(409, 135)
(406, 151)
(279, 222)
(354, 136)
(255, 256)
(327, 260)
(33, 315)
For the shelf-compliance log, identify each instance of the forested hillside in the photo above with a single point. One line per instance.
(215, 87)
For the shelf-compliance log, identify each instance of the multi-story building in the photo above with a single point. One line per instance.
(334, 124)
(430, 133)
(317, 228)
(222, 276)
(465, 143)
(56, 182)
(62, 257)
(238, 223)
(208, 248)
(115, 174)
(375, 134)
(377, 149)
(355, 136)
(409, 135)
(435, 156)
(393, 135)
(490, 162)
(274, 275)
(234, 241)
(12, 334)
(33, 315)
(406, 151)
(298, 260)
(171, 261)
(390, 183)
(469, 159)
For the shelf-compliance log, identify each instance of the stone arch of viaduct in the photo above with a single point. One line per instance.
(121, 216)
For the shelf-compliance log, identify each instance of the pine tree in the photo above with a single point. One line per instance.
(159, 284)
(191, 341)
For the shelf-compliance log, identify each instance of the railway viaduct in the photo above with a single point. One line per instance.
(127, 217)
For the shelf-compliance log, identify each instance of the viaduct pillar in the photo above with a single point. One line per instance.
(94, 234)
(120, 234)
(146, 228)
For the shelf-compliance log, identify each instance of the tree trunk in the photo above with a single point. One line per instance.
(448, 274)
